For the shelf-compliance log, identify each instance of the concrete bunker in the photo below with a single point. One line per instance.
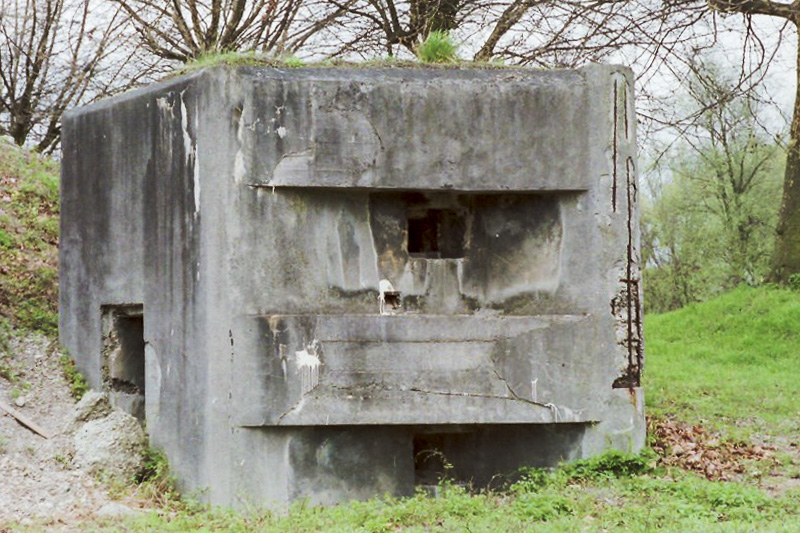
(350, 274)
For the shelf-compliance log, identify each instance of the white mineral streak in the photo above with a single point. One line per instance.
(308, 364)
(190, 153)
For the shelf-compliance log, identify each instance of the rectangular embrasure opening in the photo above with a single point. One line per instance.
(124, 357)
(436, 233)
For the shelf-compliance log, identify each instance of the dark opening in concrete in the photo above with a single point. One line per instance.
(124, 357)
(428, 459)
(392, 299)
(436, 233)
(430, 463)
(127, 372)
(469, 454)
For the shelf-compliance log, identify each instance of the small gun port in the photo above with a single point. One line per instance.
(392, 299)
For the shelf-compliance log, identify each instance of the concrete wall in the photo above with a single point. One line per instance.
(253, 213)
(129, 237)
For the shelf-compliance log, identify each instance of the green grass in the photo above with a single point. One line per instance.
(612, 493)
(731, 364)
(76, 381)
(28, 240)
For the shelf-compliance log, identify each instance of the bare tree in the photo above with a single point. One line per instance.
(372, 27)
(525, 32)
(183, 30)
(55, 54)
(380, 25)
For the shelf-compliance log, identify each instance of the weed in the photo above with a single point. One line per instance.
(78, 384)
(438, 47)
(794, 281)
(19, 389)
(225, 58)
(3, 445)
(5, 240)
(7, 370)
(542, 507)
(610, 465)
(155, 481)
(293, 61)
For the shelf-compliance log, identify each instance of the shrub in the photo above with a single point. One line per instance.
(611, 464)
(438, 47)
(293, 62)
(157, 483)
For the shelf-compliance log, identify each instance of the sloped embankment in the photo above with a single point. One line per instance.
(730, 364)
(28, 240)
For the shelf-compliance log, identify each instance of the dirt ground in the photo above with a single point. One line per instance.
(38, 486)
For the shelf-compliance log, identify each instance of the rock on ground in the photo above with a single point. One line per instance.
(92, 406)
(111, 446)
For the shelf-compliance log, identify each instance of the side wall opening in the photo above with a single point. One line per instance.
(123, 357)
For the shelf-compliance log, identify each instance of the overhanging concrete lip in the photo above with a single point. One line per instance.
(326, 406)
(409, 369)
(350, 328)
(301, 181)
(353, 72)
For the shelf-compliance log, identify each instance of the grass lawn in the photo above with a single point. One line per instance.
(588, 497)
(731, 364)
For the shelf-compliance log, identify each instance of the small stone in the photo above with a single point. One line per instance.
(114, 510)
(92, 406)
(20, 401)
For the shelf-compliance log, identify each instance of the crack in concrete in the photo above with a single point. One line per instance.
(477, 395)
(295, 407)
(514, 394)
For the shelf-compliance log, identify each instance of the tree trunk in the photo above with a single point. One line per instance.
(786, 258)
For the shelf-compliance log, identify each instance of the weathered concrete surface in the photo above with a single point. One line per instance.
(238, 223)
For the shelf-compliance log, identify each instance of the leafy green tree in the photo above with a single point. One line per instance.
(711, 227)
(786, 258)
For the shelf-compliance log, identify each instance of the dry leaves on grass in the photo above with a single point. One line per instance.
(693, 448)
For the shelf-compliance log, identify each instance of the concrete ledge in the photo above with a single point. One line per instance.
(328, 406)
(419, 327)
